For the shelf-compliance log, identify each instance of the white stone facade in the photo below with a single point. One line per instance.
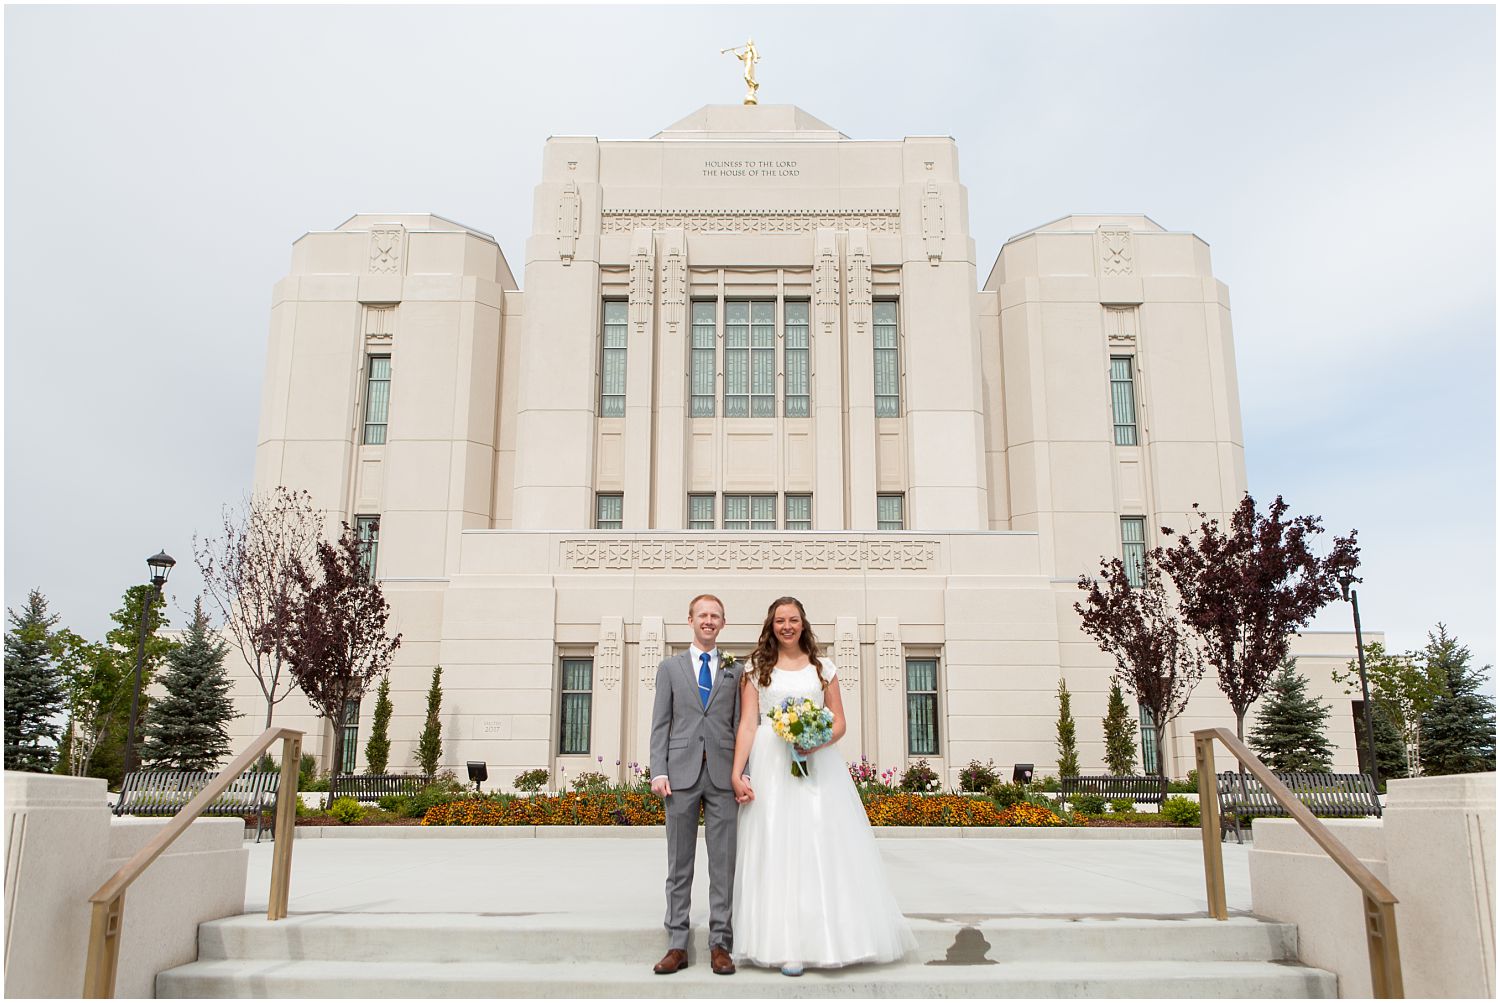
(989, 437)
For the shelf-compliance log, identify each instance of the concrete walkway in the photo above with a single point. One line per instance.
(936, 877)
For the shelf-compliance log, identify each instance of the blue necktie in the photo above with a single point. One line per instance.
(705, 681)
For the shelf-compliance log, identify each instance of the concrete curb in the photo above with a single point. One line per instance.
(658, 832)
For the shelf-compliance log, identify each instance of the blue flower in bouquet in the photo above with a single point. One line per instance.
(802, 724)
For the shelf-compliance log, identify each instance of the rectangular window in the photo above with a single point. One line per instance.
(1133, 547)
(609, 511)
(612, 373)
(704, 331)
(921, 707)
(797, 348)
(700, 512)
(377, 399)
(737, 359)
(763, 359)
(367, 527)
(349, 736)
(1148, 743)
(577, 705)
(749, 511)
(889, 512)
(887, 371)
(1122, 398)
(799, 512)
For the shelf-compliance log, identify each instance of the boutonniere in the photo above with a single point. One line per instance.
(726, 662)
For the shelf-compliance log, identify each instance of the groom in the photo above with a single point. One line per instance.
(692, 751)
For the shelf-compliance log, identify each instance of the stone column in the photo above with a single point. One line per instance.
(670, 486)
(640, 370)
(608, 710)
(830, 504)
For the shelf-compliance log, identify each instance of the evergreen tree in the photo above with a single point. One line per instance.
(1458, 730)
(378, 748)
(33, 688)
(1119, 733)
(187, 728)
(430, 745)
(1067, 733)
(1291, 731)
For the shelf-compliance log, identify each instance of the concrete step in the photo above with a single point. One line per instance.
(556, 939)
(267, 979)
(440, 955)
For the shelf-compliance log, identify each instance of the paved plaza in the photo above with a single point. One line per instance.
(623, 877)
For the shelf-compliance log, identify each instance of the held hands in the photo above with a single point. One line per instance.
(743, 792)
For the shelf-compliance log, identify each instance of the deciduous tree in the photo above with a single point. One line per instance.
(1402, 688)
(1159, 658)
(1248, 587)
(251, 571)
(336, 644)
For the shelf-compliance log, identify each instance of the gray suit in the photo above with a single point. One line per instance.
(696, 747)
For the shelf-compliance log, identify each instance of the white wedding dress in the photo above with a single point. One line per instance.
(809, 886)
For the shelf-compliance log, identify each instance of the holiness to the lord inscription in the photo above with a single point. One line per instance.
(750, 169)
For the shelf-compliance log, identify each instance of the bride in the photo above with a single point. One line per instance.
(809, 888)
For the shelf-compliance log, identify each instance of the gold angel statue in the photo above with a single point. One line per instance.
(749, 55)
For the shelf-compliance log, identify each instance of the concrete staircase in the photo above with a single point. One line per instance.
(436, 955)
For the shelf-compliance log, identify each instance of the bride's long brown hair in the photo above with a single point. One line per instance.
(768, 649)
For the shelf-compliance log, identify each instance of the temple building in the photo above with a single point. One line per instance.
(753, 357)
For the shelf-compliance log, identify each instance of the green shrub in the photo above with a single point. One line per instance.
(1188, 786)
(265, 764)
(347, 810)
(1048, 783)
(392, 802)
(317, 783)
(977, 776)
(1005, 795)
(1088, 804)
(1122, 805)
(1181, 811)
(307, 771)
(532, 780)
(919, 777)
(417, 804)
(590, 782)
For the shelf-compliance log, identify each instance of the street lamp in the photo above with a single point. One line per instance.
(1351, 596)
(161, 566)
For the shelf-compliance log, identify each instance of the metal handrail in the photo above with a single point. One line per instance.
(1380, 904)
(108, 902)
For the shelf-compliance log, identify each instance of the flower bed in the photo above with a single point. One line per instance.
(1025, 813)
(621, 808)
(951, 810)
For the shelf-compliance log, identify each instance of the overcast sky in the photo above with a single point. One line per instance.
(1339, 161)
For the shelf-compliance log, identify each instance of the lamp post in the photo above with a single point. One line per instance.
(161, 566)
(1351, 596)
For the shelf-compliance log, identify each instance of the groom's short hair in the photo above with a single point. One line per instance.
(707, 595)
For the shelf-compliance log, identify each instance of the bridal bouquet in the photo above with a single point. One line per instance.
(802, 724)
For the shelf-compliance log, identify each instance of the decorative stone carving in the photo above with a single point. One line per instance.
(646, 554)
(934, 223)
(826, 280)
(569, 219)
(1116, 251)
(386, 245)
(888, 651)
(642, 279)
(674, 281)
(650, 649)
(380, 324)
(609, 654)
(846, 651)
(1119, 325)
(750, 220)
(859, 291)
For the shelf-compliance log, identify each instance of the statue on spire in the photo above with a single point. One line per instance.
(749, 55)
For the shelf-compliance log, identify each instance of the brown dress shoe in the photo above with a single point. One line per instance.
(720, 961)
(674, 961)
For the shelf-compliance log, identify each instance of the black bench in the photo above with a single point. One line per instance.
(165, 792)
(1330, 795)
(369, 788)
(1150, 789)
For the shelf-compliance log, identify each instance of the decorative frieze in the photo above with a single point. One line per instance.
(386, 245)
(674, 281)
(888, 651)
(1116, 251)
(380, 324)
(846, 651)
(749, 555)
(826, 280)
(750, 220)
(569, 218)
(1119, 325)
(609, 654)
(650, 649)
(860, 294)
(642, 280)
(934, 223)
